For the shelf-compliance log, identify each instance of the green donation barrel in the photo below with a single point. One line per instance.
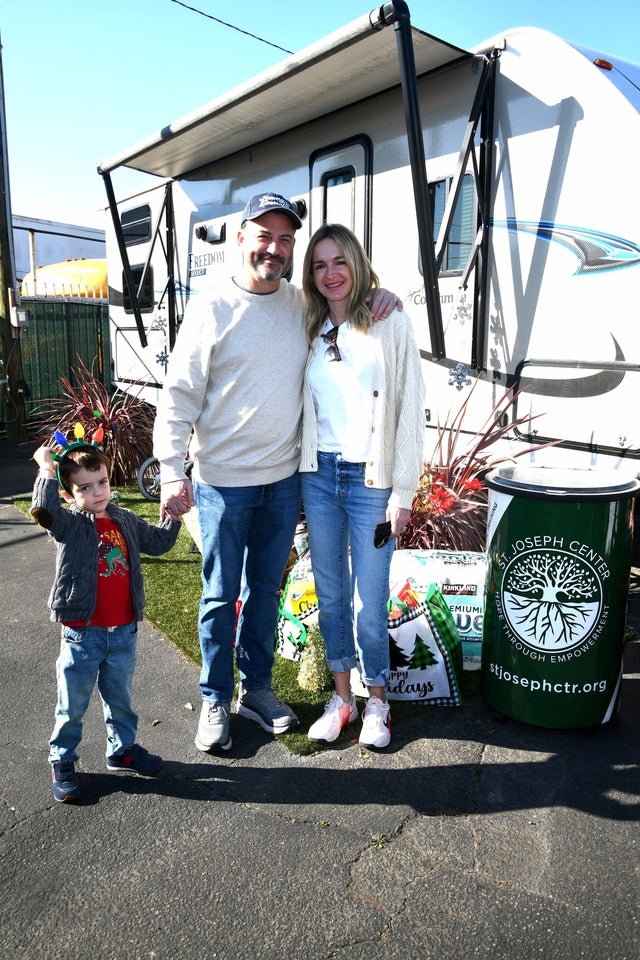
(559, 559)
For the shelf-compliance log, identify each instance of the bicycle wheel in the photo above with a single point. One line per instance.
(148, 479)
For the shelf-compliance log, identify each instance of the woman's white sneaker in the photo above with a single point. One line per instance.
(376, 724)
(337, 714)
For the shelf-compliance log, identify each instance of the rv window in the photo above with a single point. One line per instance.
(338, 196)
(463, 225)
(136, 225)
(145, 298)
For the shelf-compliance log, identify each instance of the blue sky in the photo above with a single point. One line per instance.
(85, 80)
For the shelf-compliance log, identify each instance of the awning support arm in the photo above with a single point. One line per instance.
(171, 279)
(397, 13)
(463, 162)
(485, 181)
(124, 256)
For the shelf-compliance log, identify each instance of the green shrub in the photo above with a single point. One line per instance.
(127, 421)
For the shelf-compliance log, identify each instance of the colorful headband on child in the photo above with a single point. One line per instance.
(78, 444)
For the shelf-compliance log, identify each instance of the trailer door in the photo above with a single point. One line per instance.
(341, 187)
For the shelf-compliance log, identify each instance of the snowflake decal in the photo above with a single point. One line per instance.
(464, 312)
(460, 376)
(159, 322)
(162, 358)
(551, 599)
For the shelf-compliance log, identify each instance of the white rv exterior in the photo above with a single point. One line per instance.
(537, 269)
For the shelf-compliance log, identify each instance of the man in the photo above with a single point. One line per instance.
(235, 382)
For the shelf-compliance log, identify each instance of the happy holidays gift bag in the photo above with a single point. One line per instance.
(425, 654)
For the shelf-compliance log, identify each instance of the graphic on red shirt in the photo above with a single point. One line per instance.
(113, 600)
(112, 553)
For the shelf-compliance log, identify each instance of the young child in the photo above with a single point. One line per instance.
(97, 596)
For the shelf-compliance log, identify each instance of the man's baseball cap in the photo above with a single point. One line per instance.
(266, 203)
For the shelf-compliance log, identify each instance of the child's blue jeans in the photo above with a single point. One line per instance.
(87, 654)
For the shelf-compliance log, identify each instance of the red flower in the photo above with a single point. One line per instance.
(473, 484)
(441, 500)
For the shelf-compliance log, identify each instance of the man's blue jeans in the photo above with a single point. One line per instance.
(341, 512)
(107, 654)
(247, 535)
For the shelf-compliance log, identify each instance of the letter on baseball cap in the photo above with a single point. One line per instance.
(263, 203)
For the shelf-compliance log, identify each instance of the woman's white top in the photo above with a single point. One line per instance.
(343, 393)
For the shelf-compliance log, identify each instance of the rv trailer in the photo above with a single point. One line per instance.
(494, 189)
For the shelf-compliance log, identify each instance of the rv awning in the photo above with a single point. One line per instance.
(355, 62)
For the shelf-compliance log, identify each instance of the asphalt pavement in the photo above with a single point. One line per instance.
(469, 837)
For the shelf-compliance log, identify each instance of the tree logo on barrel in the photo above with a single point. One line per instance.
(551, 599)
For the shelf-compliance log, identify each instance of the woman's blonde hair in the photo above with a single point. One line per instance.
(363, 276)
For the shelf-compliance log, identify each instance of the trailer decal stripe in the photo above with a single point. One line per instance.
(596, 251)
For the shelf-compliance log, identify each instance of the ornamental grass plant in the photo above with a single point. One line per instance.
(127, 421)
(449, 510)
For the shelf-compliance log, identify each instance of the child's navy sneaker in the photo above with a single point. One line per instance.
(64, 781)
(135, 759)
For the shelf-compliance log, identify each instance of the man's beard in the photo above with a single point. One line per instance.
(268, 267)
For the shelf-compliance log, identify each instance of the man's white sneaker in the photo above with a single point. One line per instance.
(376, 724)
(213, 728)
(337, 714)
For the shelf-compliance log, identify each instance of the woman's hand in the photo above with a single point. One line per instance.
(399, 517)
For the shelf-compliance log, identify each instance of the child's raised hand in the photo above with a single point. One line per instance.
(43, 458)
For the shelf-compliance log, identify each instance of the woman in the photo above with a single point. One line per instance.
(362, 456)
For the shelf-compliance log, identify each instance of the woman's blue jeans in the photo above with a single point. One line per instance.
(87, 654)
(247, 535)
(342, 512)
